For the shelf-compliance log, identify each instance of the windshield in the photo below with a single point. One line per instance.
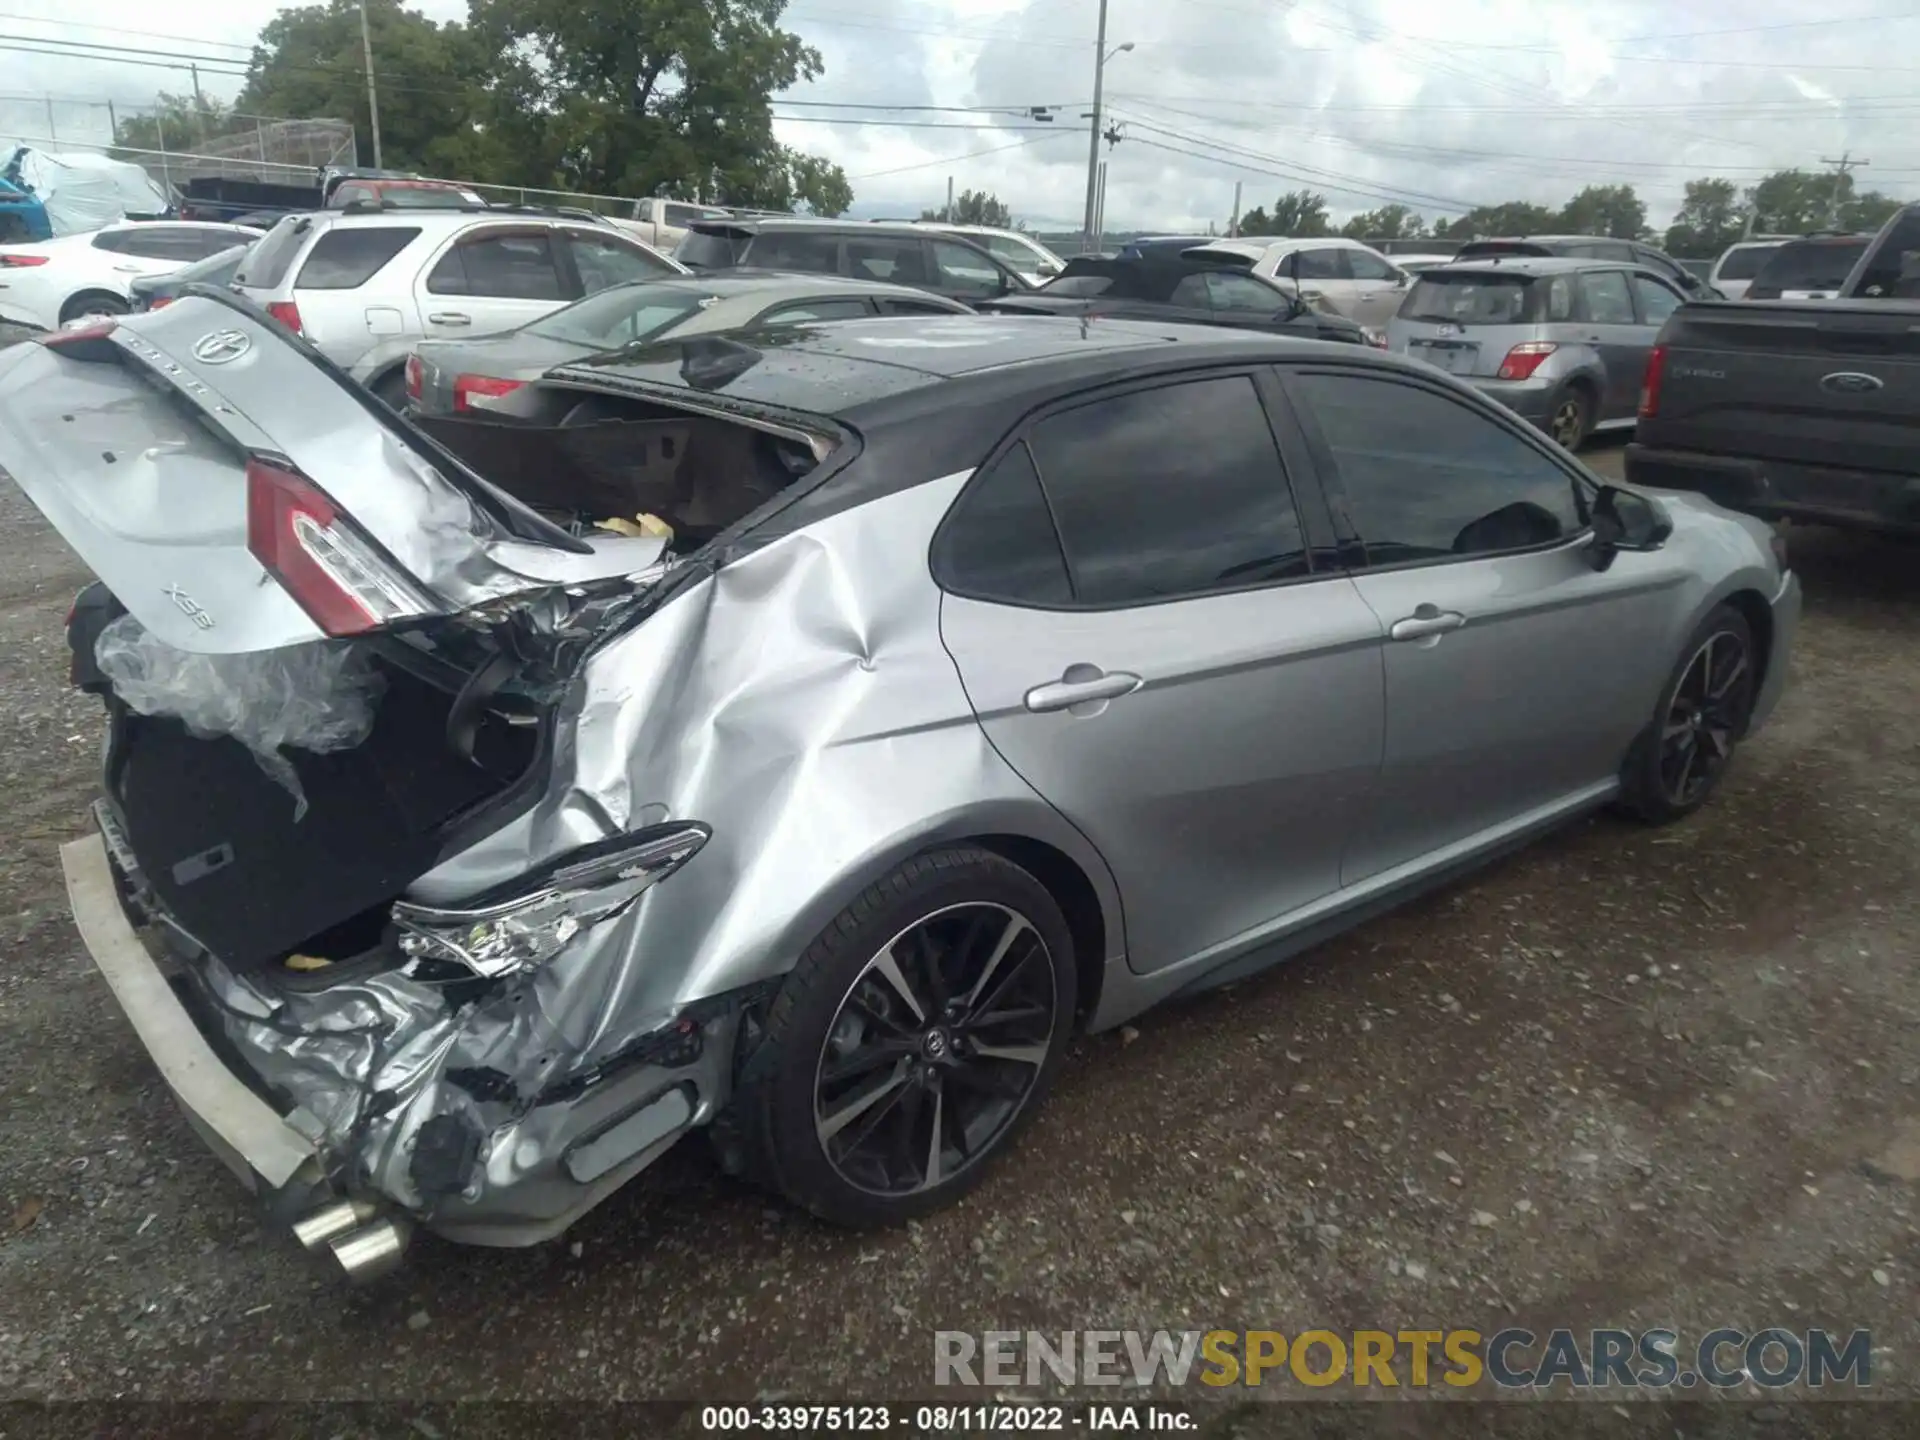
(1469, 298)
(622, 315)
(266, 264)
(1810, 265)
(427, 197)
(1745, 263)
(712, 249)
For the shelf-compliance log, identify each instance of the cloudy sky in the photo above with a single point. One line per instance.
(1368, 101)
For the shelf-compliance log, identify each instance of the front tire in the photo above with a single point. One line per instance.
(1680, 759)
(93, 306)
(912, 1043)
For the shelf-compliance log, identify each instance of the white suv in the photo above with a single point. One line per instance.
(365, 287)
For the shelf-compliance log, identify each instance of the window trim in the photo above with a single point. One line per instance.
(1331, 484)
(563, 238)
(1318, 571)
(1626, 282)
(1639, 310)
(771, 315)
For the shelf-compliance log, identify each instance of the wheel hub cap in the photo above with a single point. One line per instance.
(936, 1044)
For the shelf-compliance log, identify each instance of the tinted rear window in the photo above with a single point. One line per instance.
(1502, 247)
(622, 315)
(1894, 271)
(345, 259)
(712, 249)
(1745, 264)
(1082, 287)
(1809, 265)
(266, 265)
(427, 197)
(1469, 299)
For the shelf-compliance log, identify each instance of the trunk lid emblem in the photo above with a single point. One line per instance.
(221, 346)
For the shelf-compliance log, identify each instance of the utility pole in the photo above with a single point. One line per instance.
(949, 214)
(373, 97)
(1093, 133)
(1233, 225)
(1841, 166)
(199, 107)
(52, 133)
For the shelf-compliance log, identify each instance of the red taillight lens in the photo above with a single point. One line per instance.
(159, 302)
(472, 392)
(320, 557)
(20, 260)
(1650, 385)
(286, 312)
(1523, 359)
(413, 378)
(84, 340)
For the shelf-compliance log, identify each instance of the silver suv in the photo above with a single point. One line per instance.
(364, 288)
(1561, 343)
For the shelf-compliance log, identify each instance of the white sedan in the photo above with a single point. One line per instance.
(48, 284)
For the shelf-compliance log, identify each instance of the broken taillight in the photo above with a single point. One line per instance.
(320, 557)
(413, 378)
(287, 313)
(473, 392)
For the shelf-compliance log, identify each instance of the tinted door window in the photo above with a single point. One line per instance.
(1243, 293)
(344, 259)
(999, 543)
(966, 271)
(1191, 292)
(604, 261)
(900, 261)
(1894, 271)
(1427, 478)
(515, 266)
(812, 254)
(715, 249)
(162, 242)
(915, 307)
(1170, 492)
(1655, 300)
(1560, 300)
(349, 194)
(1363, 266)
(1318, 264)
(1607, 297)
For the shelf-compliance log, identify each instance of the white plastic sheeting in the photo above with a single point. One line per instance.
(83, 191)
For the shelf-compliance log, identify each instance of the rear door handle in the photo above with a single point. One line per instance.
(1425, 621)
(1078, 687)
(450, 317)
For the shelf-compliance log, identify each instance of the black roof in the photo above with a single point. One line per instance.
(762, 224)
(849, 369)
(1509, 263)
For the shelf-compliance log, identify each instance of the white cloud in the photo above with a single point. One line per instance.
(1365, 100)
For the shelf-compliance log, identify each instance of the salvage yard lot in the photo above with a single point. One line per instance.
(1629, 1078)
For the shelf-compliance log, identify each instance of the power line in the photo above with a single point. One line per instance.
(121, 30)
(956, 159)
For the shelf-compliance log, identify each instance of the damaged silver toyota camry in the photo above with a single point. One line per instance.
(799, 735)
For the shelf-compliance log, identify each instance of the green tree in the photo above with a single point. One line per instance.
(1389, 222)
(175, 123)
(431, 78)
(630, 97)
(1610, 210)
(1513, 217)
(1298, 212)
(1709, 219)
(1791, 202)
(974, 207)
(1867, 211)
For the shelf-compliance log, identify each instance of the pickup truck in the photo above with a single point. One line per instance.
(1796, 409)
(663, 223)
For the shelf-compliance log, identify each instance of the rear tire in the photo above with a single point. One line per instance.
(912, 1043)
(1570, 417)
(1680, 758)
(391, 390)
(92, 304)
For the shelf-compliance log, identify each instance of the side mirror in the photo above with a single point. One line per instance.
(1627, 520)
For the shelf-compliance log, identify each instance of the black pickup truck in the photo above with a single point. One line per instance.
(1796, 409)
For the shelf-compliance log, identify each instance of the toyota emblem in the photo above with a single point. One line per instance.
(221, 346)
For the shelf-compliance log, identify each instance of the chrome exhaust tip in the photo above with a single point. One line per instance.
(331, 1221)
(373, 1251)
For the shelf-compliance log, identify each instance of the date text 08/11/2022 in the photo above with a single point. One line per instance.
(983, 1419)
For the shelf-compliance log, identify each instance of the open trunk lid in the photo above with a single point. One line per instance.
(239, 493)
(1820, 384)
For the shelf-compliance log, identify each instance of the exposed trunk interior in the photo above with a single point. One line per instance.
(613, 458)
(217, 840)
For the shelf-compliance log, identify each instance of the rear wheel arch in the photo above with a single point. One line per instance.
(1079, 902)
(1757, 611)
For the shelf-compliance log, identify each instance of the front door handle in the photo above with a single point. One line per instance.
(1427, 620)
(450, 317)
(1081, 685)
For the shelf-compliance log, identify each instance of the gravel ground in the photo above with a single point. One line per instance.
(1628, 1078)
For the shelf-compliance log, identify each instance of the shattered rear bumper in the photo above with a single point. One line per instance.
(466, 1118)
